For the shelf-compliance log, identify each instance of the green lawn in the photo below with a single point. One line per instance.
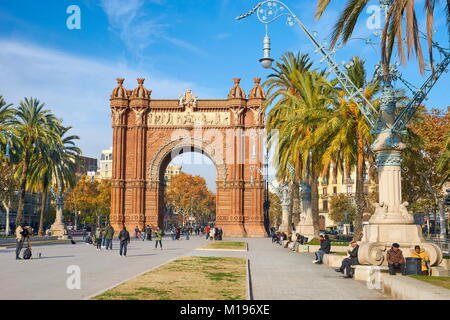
(186, 278)
(339, 253)
(443, 282)
(316, 242)
(234, 245)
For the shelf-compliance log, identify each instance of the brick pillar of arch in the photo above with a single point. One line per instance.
(119, 110)
(137, 183)
(253, 120)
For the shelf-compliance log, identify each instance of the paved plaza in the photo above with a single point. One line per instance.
(276, 273)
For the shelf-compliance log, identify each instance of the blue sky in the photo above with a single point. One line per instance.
(174, 44)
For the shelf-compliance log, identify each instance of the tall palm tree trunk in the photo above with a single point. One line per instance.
(22, 189)
(295, 203)
(43, 207)
(314, 200)
(359, 192)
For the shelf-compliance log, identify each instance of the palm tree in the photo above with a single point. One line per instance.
(393, 28)
(57, 162)
(277, 85)
(316, 97)
(6, 113)
(301, 99)
(34, 129)
(346, 137)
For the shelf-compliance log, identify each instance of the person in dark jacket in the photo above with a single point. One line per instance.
(148, 231)
(124, 238)
(109, 234)
(350, 261)
(395, 259)
(325, 248)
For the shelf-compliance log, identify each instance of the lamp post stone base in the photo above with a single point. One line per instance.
(305, 230)
(59, 230)
(378, 239)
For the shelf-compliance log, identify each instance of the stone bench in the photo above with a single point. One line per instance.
(363, 273)
(398, 286)
(333, 260)
(313, 248)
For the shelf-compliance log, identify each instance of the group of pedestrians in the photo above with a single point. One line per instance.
(103, 238)
(145, 233)
(213, 233)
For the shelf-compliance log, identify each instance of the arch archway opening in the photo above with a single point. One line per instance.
(188, 189)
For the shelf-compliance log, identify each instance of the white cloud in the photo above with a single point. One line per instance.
(77, 89)
(130, 20)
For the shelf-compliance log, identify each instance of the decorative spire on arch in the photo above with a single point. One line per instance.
(119, 91)
(257, 92)
(236, 92)
(141, 91)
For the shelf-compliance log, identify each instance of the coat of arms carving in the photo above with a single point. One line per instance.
(188, 100)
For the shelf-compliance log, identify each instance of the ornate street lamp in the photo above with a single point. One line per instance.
(391, 221)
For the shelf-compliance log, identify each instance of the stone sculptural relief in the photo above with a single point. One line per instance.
(188, 118)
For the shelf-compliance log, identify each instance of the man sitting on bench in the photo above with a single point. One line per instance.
(395, 259)
(350, 261)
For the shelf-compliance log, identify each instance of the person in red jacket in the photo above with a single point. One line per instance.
(207, 228)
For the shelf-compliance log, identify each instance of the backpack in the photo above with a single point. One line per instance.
(27, 254)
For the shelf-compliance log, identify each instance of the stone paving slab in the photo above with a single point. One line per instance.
(276, 273)
(46, 278)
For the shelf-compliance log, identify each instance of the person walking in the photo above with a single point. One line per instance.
(158, 238)
(109, 234)
(99, 238)
(212, 233)
(148, 231)
(20, 238)
(136, 232)
(207, 228)
(124, 238)
(172, 233)
(187, 232)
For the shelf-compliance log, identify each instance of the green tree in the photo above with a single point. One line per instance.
(346, 138)
(83, 197)
(444, 160)
(342, 207)
(6, 116)
(56, 163)
(8, 187)
(34, 128)
(301, 102)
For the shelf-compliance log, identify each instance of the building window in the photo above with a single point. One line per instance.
(334, 190)
(324, 191)
(366, 190)
(325, 205)
(349, 189)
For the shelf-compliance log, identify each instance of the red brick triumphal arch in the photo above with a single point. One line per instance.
(149, 133)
